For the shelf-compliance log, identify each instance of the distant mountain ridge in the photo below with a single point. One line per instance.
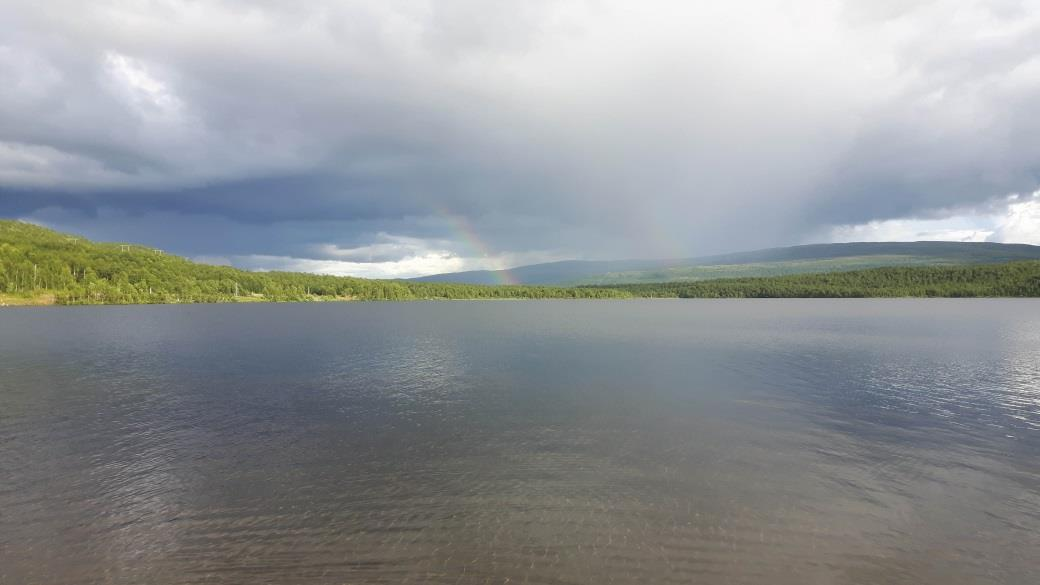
(804, 259)
(39, 266)
(563, 271)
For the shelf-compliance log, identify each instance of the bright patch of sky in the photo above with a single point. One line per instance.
(417, 264)
(1017, 221)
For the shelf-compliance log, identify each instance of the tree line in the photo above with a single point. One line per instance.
(36, 261)
(1010, 279)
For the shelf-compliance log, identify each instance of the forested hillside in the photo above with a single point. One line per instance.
(1011, 279)
(44, 266)
(41, 266)
(812, 258)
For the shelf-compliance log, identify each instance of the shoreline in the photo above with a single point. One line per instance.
(22, 303)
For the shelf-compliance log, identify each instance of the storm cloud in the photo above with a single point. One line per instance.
(401, 138)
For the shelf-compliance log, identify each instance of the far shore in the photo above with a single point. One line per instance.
(49, 300)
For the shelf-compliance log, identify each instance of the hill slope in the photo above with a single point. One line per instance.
(808, 259)
(1008, 279)
(563, 272)
(41, 266)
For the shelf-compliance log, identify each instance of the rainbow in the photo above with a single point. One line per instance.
(465, 232)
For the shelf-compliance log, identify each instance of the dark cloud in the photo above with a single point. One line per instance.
(501, 130)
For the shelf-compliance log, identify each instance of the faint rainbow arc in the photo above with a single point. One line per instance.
(464, 230)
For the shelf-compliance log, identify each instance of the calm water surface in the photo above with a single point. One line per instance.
(773, 442)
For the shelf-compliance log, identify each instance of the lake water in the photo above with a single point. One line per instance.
(567, 442)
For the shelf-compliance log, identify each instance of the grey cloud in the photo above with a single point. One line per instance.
(591, 129)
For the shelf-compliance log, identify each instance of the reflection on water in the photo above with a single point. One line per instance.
(542, 442)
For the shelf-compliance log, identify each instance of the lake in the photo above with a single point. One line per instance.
(566, 442)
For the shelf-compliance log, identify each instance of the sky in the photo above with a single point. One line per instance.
(391, 139)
